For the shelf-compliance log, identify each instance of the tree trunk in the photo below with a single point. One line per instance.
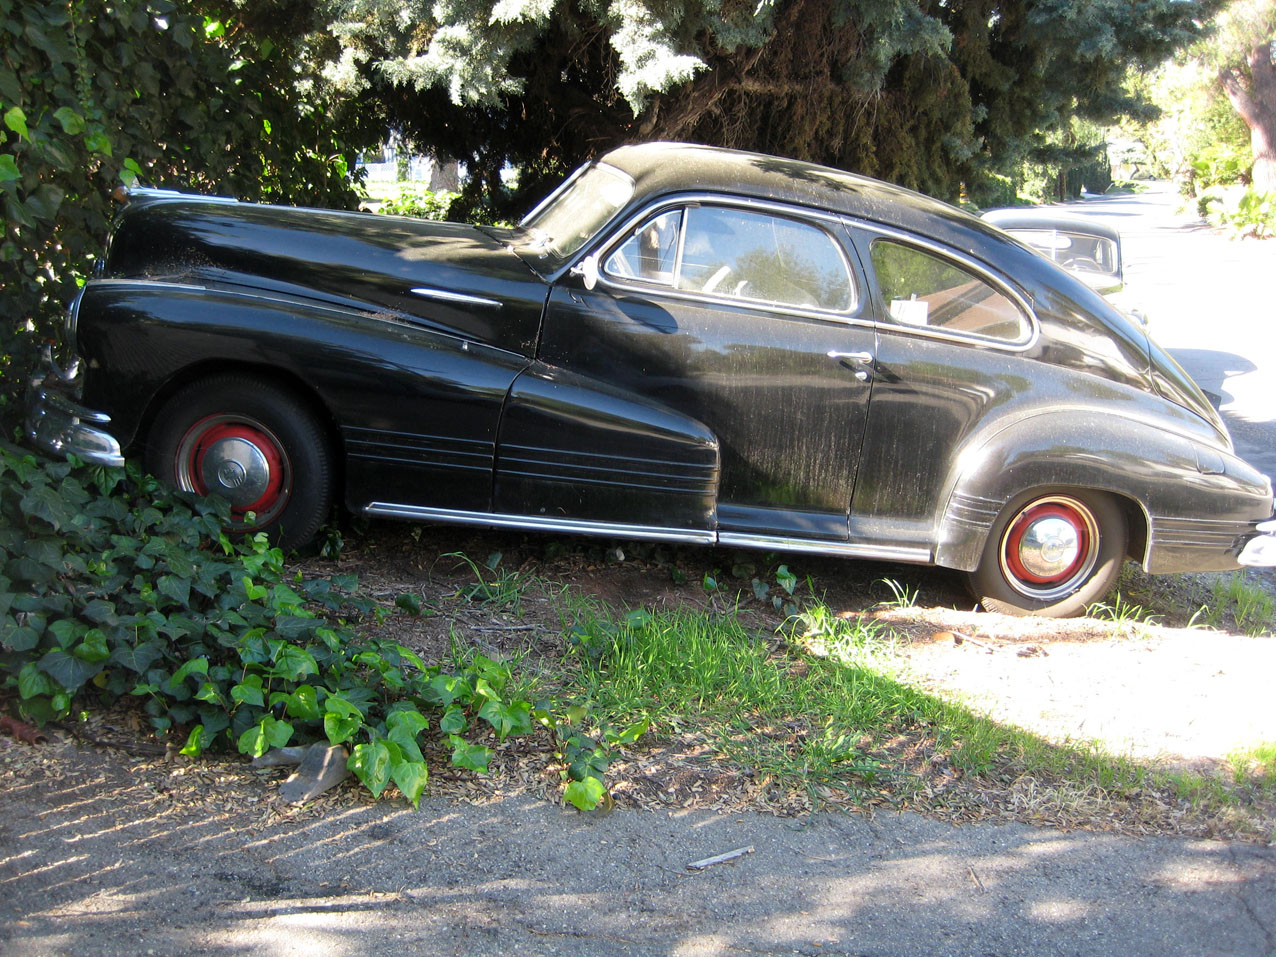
(1254, 98)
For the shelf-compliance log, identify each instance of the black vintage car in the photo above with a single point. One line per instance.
(681, 343)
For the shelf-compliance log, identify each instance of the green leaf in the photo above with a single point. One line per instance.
(8, 168)
(92, 649)
(453, 721)
(98, 142)
(208, 692)
(371, 765)
(67, 670)
(178, 589)
(410, 778)
(100, 612)
(21, 638)
(473, 757)
(303, 704)
(266, 734)
(585, 795)
(248, 691)
(293, 663)
(194, 742)
(72, 122)
(32, 682)
(16, 120)
(194, 666)
(631, 733)
(138, 658)
(67, 632)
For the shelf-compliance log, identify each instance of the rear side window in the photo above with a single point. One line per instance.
(738, 254)
(923, 289)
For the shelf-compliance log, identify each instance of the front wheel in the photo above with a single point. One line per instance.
(252, 443)
(1051, 554)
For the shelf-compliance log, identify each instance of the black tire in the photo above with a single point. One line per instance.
(1051, 553)
(254, 443)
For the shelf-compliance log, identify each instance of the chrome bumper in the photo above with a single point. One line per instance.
(1260, 551)
(57, 424)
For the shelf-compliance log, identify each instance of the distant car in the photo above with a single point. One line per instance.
(1090, 249)
(682, 344)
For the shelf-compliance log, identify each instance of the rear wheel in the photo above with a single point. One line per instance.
(253, 443)
(1051, 554)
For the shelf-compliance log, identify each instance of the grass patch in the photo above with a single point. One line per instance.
(820, 706)
(824, 709)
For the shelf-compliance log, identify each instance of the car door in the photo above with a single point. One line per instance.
(746, 319)
(951, 341)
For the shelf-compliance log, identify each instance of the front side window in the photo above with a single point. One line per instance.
(738, 254)
(922, 289)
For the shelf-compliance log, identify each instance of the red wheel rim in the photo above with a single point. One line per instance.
(239, 459)
(1050, 547)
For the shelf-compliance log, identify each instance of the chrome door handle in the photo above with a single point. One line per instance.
(862, 357)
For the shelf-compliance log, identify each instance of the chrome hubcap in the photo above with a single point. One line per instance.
(235, 469)
(1050, 548)
(239, 459)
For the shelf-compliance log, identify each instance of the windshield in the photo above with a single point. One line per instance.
(575, 213)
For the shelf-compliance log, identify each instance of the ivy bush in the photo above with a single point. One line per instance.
(110, 590)
(95, 94)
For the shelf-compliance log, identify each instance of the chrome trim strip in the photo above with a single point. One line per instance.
(447, 296)
(890, 553)
(537, 523)
(577, 526)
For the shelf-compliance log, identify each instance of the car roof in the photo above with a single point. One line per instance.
(661, 168)
(1046, 217)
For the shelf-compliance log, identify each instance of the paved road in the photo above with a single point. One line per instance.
(91, 868)
(1212, 304)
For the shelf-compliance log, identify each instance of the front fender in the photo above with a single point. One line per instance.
(414, 408)
(1197, 504)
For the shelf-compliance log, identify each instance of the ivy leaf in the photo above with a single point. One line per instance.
(8, 168)
(92, 650)
(137, 658)
(72, 122)
(194, 742)
(268, 733)
(453, 721)
(585, 795)
(16, 120)
(472, 757)
(178, 589)
(33, 683)
(194, 666)
(67, 670)
(303, 704)
(371, 764)
(293, 663)
(98, 142)
(248, 691)
(410, 778)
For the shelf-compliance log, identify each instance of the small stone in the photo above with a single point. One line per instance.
(322, 769)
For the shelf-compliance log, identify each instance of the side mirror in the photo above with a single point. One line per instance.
(587, 269)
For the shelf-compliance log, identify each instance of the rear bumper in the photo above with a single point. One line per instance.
(56, 423)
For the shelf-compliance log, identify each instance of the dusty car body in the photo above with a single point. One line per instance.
(681, 343)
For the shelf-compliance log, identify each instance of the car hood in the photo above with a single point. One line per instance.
(447, 276)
